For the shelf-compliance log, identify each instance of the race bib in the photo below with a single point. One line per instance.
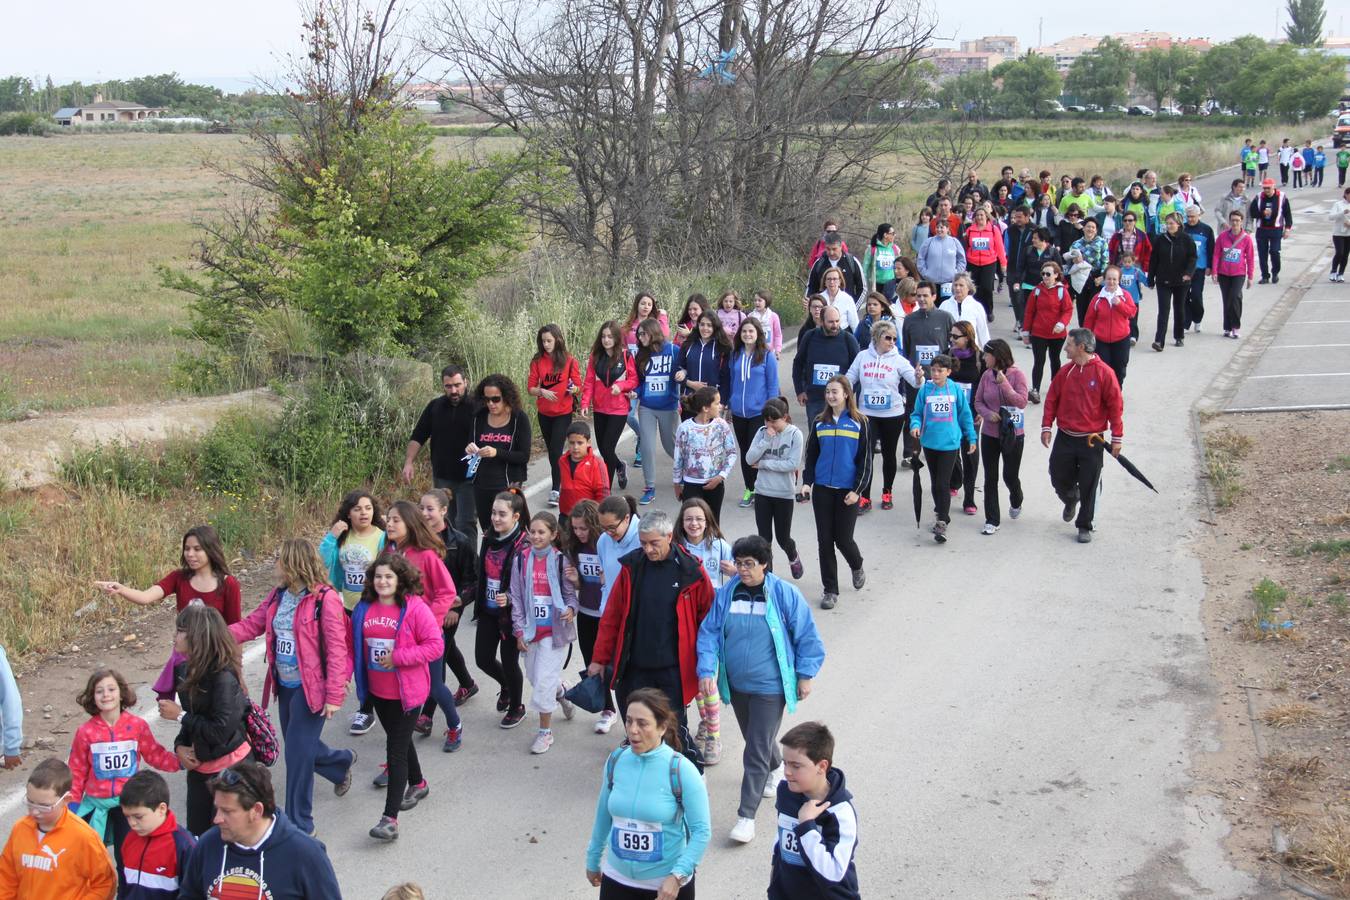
(1232, 255)
(965, 389)
(377, 647)
(1127, 281)
(634, 840)
(632, 349)
(821, 374)
(876, 400)
(940, 407)
(285, 647)
(494, 587)
(1017, 419)
(1199, 246)
(789, 845)
(657, 385)
(885, 257)
(541, 610)
(113, 759)
(926, 353)
(979, 243)
(945, 290)
(588, 567)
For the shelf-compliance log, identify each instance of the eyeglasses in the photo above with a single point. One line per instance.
(493, 399)
(889, 338)
(748, 563)
(42, 809)
(955, 334)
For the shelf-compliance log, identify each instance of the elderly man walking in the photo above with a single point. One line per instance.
(649, 630)
(1085, 398)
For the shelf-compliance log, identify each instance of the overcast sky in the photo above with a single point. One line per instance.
(92, 40)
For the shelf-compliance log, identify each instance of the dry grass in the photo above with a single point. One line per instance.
(1322, 849)
(1224, 450)
(1290, 715)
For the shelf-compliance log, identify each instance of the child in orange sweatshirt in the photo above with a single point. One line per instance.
(52, 854)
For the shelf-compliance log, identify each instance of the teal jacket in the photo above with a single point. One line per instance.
(796, 642)
(945, 422)
(328, 552)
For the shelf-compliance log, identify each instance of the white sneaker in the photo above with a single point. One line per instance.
(771, 783)
(542, 741)
(1014, 512)
(605, 722)
(552, 498)
(989, 528)
(569, 708)
(743, 832)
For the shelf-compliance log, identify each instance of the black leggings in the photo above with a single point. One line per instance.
(983, 276)
(993, 452)
(587, 629)
(487, 644)
(553, 432)
(1115, 354)
(941, 464)
(835, 520)
(455, 660)
(1171, 298)
(1230, 288)
(612, 890)
(1040, 348)
(964, 472)
(712, 496)
(608, 430)
(399, 753)
(745, 432)
(888, 431)
(774, 515)
(1342, 245)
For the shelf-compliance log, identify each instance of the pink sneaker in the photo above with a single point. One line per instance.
(970, 510)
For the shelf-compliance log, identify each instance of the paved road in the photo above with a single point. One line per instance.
(1301, 354)
(1017, 714)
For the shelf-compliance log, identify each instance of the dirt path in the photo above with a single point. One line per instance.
(31, 450)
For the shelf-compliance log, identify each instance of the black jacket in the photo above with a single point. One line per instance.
(461, 561)
(1172, 260)
(1066, 233)
(854, 282)
(509, 465)
(214, 722)
(1270, 212)
(1019, 251)
(450, 429)
(967, 189)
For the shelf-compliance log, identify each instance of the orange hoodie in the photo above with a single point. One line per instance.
(68, 863)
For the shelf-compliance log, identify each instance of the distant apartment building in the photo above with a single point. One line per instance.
(951, 63)
(1005, 45)
(1064, 52)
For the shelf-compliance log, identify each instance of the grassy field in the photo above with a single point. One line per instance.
(84, 321)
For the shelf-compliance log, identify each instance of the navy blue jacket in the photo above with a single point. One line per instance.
(289, 865)
(839, 454)
(814, 860)
(817, 352)
(704, 362)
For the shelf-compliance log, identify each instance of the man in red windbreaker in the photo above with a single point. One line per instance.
(1085, 397)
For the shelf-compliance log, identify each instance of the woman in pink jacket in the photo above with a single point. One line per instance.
(610, 375)
(409, 534)
(985, 258)
(1234, 260)
(396, 637)
(1002, 391)
(308, 664)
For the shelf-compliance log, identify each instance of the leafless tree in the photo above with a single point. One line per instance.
(692, 129)
(948, 149)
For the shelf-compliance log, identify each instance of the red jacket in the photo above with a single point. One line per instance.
(692, 604)
(152, 865)
(953, 224)
(589, 481)
(1143, 249)
(94, 735)
(542, 375)
(596, 393)
(1110, 322)
(1045, 308)
(985, 246)
(1085, 399)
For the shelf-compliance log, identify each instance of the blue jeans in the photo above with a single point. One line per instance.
(634, 424)
(444, 697)
(306, 753)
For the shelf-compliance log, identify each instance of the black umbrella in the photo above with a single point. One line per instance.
(916, 463)
(1128, 466)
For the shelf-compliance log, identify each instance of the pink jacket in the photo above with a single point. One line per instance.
(596, 394)
(630, 336)
(85, 782)
(773, 327)
(320, 686)
(437, 585)
(1246, 252)
(990, 395)
(417, 643)
(732, 320)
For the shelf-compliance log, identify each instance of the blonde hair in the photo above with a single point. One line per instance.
(405, 891)
(300, 563)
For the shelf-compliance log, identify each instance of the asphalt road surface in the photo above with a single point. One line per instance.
(1016, 714)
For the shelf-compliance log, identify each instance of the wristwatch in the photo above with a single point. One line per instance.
(684, 879)
(181, 716)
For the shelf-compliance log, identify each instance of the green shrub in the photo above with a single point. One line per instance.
(134, 469)
(33, 124)
(230, 457)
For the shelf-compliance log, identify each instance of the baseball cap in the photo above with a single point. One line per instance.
(1269, 182)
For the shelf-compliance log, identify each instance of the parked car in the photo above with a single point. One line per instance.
(1118, 109)
(1092, 107)
(1168, 111)
(1138, 110)
(1052, 106)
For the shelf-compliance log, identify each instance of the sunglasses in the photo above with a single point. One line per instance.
(955, 334)
(493, 399)
(889, 338)
(1048, 273)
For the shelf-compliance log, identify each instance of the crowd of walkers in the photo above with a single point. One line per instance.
(895, 359)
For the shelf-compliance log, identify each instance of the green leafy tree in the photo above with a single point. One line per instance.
(973, 93)
(1102, 74)
(1224, 70)
(1306, 21)
(16, 94)
(1028, 82)
(1158, 70)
